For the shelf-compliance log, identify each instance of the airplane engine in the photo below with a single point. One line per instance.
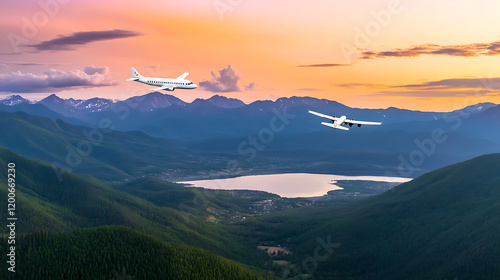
(359, 125)
(350, 124)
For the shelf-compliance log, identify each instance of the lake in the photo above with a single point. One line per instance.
(288, 184)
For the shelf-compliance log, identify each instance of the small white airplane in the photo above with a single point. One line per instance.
(164, 84)
(339, 122)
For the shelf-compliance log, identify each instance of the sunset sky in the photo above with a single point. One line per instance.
(421, 55)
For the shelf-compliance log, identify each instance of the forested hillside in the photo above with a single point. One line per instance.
(442, 225)
(113, 252)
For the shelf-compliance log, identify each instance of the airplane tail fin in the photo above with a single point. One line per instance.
(183, 76)
(335, 126)
(135, 74)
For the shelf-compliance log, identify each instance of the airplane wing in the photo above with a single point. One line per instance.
(133, 79)
(323, 115)
(362, 122)
(165, 87)
(337, 127)
(183, 76)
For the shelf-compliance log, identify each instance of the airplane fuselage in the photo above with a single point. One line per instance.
(340, 121)
(163, 83)
(175, 83)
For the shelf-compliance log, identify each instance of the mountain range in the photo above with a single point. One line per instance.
(156, 101)
(220, 129)
(145, 103)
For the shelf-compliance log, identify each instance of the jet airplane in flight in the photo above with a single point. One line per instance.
(163, 83)
(338, 123)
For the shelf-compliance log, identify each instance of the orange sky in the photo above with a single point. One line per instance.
(266, 42)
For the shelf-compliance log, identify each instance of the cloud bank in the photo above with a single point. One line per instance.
(53, 80)
(468, 83)
(457, 87)
(465, 50)
(69, 42)
(91, 70)
(324, 65)
(226, 81)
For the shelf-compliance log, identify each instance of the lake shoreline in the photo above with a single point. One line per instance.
(225, 175)
(288, 185)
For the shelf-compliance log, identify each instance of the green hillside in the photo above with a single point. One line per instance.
(106, 154)
(46, 204)
(113, 252)
(442, 225)
(169, 194)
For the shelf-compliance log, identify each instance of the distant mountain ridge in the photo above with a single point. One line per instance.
(144, 103)
(164, 115)
(227, 126)
(220, 101)
(157, 100)
(13, 100)
(151, 102)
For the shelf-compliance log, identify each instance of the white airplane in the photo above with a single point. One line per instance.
(164, 84)
(339, 122)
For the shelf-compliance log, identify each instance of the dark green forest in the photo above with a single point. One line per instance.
(442, 225)
(80, 201)
(115, 252)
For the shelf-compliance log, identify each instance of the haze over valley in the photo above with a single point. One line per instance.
(234, 139)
